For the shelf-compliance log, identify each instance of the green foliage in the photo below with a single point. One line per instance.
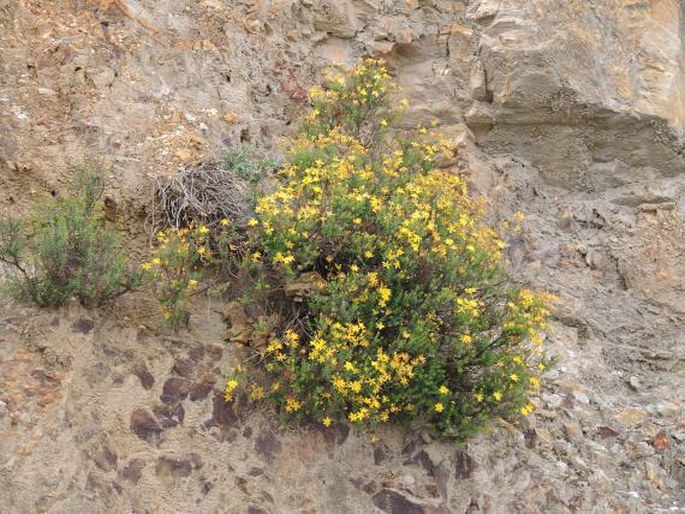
(64, 250)
(179, 262)
(176, 269)
(414, 318)
(248, 164)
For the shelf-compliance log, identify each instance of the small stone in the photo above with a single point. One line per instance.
(660, 441)
(196, 353)
(666, 409)
(132, 471)
(106, 459)
(183, 367)
(197, 461)
(145, 426)
(605, 432)
(635, 383)
(380, 454)
(175, 390)
(596, 259)
(679, 436)
(408, 480)
(169, 416)
(552, 400)
(145, 377)
(173, 467)
(641, 449)
(201, 389)
(543, 437)
(83, 325)
(464, 465)
(222, 418)
(631, 416)
(256, 472)
(654, 475)
(268, 446)
(547, 414)
(581, 397)
(573, 431)
(393, 502)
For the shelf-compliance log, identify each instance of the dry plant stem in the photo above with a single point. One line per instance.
(205, 193)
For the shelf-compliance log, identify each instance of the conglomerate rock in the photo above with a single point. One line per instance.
(572, 112)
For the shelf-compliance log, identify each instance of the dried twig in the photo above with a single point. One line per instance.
(203, 194)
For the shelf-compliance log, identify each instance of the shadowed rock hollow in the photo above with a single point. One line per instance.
(572, 112)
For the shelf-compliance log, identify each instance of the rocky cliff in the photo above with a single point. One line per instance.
(572, 112)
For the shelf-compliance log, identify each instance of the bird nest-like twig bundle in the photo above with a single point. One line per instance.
(203, 194)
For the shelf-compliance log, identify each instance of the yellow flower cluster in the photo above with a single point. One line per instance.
(174, 268)
(416, 317)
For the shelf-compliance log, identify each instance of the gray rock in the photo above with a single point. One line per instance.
(175, 389)
(144, 425)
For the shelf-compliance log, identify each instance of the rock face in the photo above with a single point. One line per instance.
(608, 77)
(572, 112)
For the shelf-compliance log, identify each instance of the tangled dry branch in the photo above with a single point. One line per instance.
(204, 194)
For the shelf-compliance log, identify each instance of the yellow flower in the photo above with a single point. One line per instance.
(202, 229)
(514, 377)
(368, 254)
(231, 386)
(326, 421)
(224, 222)
(292, 405)
(257, 393)
(497, 395)
(156, 261)
(384, 293)
(253, 222)
(527, 409)
(443, 390)
(192, 283)
(439, 407)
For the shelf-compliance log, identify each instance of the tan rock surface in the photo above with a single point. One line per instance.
(572, 112)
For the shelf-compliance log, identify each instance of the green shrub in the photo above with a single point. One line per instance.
(176, 268)
(416, 319)
(64, 250)
(248, 164)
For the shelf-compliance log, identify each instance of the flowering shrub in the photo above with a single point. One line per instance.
(176, 269)
(416, 319)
